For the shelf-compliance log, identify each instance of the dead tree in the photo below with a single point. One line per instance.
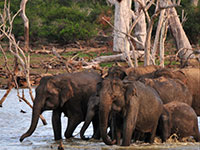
(140, 30)
(182, 43)
(14, 48)
(122, 20)
(26, 24)
(167, 10)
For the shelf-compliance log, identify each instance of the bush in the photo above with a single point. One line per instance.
(192, 24)
(58, 20)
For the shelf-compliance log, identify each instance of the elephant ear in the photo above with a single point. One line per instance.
(66, 93)
(51, 86)
(131, 91)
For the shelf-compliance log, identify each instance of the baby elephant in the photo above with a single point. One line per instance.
(92, 112)
(178, 118)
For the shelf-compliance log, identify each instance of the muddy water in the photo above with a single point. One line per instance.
(13, 124)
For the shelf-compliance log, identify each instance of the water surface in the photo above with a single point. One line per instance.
(13, 124)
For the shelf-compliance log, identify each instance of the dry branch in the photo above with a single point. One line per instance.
(26, 23)
(29, 104)
(14, 47)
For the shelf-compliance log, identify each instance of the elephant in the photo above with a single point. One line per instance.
(68, 93)
(141, 71)
(192, 81)
(93, 103)
(190, 77)
(117, 72)
(178, 118)
(92, 111)
(139, 107)
(170, 89)
(122, 72)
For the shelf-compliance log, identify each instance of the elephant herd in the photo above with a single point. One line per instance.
(135, 103)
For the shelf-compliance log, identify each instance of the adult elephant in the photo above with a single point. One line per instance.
(68, 93)
(170, 89)
(93, 103)
(139, 106)
(190, 77)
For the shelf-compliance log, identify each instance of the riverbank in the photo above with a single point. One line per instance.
(53, 60)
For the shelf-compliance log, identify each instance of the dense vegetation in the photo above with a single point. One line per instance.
(66, 21)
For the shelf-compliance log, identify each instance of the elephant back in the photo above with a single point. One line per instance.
(170, 89)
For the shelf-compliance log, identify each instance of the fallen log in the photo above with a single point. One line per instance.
(118, 57)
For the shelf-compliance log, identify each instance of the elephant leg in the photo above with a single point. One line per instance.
(196, 132)
(119, 122)
(56, 122)
(150, 136)
(71, 126)
(118, 136)
(95, 123)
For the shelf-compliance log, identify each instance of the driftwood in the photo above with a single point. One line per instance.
(60, 51)
(118, 57)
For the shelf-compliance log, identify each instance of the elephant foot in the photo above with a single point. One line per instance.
(85, 138)
(67, 136)
(96, 136)
(57, 138)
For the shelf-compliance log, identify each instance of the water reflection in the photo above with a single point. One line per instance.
(13, 124)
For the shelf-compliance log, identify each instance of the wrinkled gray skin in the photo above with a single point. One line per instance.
(190, 77)
(133, 102)
(178, 118)
(67, 93)
(170, 89)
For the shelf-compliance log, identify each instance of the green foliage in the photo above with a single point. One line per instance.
(110, 64)
(59, 21)
(66, 21)
(192, 24)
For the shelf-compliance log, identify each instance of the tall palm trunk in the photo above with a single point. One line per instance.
(35, 117)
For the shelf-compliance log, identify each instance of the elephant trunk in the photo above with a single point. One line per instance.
(104, 111)
(88, 120)
(35, 117)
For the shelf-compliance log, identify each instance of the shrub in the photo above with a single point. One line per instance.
(58, 20)
(192, 24)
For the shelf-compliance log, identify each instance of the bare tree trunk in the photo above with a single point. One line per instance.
(156, 40)
(140, 30)
(122, 20)
(14, 48)
(163, 34)
(182, 42)
(194, 2)
(26, 24)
